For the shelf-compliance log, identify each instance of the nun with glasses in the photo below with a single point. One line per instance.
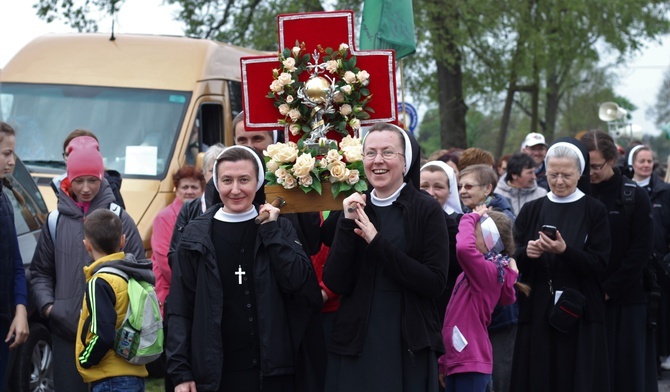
(388, 261)
(562, 247)
(242, 293)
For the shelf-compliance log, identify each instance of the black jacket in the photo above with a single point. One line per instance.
(631, 241)
(287, 294)
(422, 273)
(659, 195)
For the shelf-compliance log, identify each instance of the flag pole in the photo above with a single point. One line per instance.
(402, 91)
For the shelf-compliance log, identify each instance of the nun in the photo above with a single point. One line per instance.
(241, 292)
(562, 247)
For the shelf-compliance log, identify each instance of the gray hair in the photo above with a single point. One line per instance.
(563, 150)
(211, 154)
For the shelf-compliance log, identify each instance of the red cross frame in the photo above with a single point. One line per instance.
(328, 29)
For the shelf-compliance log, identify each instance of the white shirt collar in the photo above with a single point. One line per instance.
(203, 205)
(576, 195)
(235, 218)
(644, 183)
(387, 201)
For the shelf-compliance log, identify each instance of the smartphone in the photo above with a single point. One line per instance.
(549, 231)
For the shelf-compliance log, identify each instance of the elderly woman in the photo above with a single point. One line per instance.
(388, 262)
(189, 184)
(241, 291)
(550, 353)
(476, 184)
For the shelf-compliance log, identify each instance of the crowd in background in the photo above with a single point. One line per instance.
(546, 269)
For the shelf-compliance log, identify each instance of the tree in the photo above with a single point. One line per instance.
(662, 106)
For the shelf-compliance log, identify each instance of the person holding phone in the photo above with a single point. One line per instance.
(546, 359)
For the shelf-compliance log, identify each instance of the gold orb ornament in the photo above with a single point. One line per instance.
(317, 88)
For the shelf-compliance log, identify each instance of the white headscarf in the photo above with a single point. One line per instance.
(408, 146)
(453, 203)
(261, 176)
(573, 148)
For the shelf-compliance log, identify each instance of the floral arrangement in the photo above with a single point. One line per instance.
(347, 85)
(291, 168)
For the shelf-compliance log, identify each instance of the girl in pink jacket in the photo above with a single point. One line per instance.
(483, 242)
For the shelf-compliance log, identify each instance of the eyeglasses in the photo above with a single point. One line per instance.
(598, 167)
(556, 176)
(467, 186)
(386, 154)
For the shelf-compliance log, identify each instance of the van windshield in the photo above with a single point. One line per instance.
(136, 128)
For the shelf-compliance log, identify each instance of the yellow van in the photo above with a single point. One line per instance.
(154, 102)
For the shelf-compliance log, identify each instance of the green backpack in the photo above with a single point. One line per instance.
(139, 340)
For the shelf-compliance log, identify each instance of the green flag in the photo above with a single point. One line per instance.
(388, 24)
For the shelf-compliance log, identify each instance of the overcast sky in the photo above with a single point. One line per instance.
(639, 79)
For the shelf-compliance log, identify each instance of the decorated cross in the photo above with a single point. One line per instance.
(320, 91)
(313, 33)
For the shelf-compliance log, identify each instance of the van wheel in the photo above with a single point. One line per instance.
(33, 367)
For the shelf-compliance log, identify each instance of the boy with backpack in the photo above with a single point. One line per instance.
(103, 341)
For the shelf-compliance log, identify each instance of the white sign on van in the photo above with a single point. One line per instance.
(141, 160)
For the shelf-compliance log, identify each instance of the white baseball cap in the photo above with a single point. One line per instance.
(533, 139)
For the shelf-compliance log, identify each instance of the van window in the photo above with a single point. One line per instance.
(29, 208)
(137, 128)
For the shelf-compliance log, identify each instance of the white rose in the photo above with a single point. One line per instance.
(363, 77)
(338, 171)
(353, 177)
(345, 109)
(295, 129)
(282, 153)
(277, 87)
(285, 78)
(296, 50)
(303, 165)
(349, 77)
(272, 165)
(344, 47)
(284, 109)
(289, 64)
(294, 114)
(289, 98)
(355, 124)
(275, 72)
(353, 153)
(305, 181)
(331, 66)
(346, 89)
(333, 156)
(281, 173)
(289, 182)
(349, 141)
(323, 163)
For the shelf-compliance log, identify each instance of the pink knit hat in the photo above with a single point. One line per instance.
(81, 142)
(84, 160)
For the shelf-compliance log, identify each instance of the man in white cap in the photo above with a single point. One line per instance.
(535, 146)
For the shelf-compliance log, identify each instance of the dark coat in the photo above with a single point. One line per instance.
(287, 296)
(631, 242)
(422, 273)
(13, 289)
(545, 359)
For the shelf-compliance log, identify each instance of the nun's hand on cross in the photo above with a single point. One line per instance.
(272, 210)
(349, 205)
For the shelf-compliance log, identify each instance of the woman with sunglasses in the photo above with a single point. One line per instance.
(566, 352)
(476, 184)
(388, 261)
(630, 348)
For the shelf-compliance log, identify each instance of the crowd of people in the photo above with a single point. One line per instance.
(546, 270)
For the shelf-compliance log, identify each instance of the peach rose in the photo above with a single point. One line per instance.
(353, 153)
(295, 129)
(281, 173)
(303, 165)
(282, 153)
(289, 98)
(272, 165)
(333, 156)
(277, 87)
(338, 171)
(346, 89)
(305, 181)
(294, 114)
(283, 109)
(354, 177)
(349, 141)
(290, 182)
(345, 109)
(331, 66)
